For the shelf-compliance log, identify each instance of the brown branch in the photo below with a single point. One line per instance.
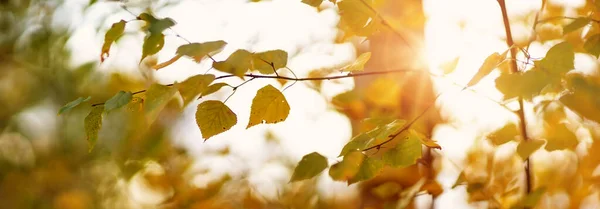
(520, 112)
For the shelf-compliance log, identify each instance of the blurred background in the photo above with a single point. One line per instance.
(49, 55)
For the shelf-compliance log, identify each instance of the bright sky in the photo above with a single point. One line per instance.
(307, 35)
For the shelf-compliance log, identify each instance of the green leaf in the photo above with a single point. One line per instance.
(157, 97)
(73, 104)
(198, 51)
(526, 148)
(348, 167)
(462, 179)
(559, 59)
(592, 45)
(153, 43)
(369, 168)
(214, 117)
(531, 200)
(383, 132)
(270, 61)
(490, 63)
(313, 3)
(93, 123)
(406, 152)
(154, 25)
(311, 165)
(356, 18)
(358, 64)
(268, 106)
(193, 86)
(505, 134)
(580, 22)
(357, 143)
(213, 88)
(559, 137)
(236, 64)
(118, 100)
(583, 97)
(527, 85)
(115, 31)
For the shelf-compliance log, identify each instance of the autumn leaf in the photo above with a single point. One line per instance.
(93, 123)
(214, 117)
(531, 200)
(576, 24)
(73, 104)
(406, 152)
(428, 142)
(528, 147)
(559, 137)
(193, 86)
(592, 45)
(115, 31)
(490, 63)
(386, 190)
(460, 180)
(157, 97)
(505, 134)
(583, 96)
(198, 51)
(369, 168)
(527, 84)
(357, 143)
(236, 64)
(311, 165)
(153, 43)
(313, 3)
(559, 59)
(356, 18)
(270, 61)
(213, 88)
(268, 106)
(355, 167)
(358, 64)
(118, 100)
(155, 25)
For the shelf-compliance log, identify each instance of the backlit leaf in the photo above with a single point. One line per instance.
(526, 148)
(348, 167)
(193, 86)
(118, 100)
(115, 31)
(357, 143)
(576, 24)
(213, 88)
(268, 106)
(198, 51)
(559, 59)
(153, 43)
(383, 132)
(460, 180)
(428, 142)
(559, 137)
(93, 123)
(592, 45)
(584, 96)
(236, 64)
(73, 104)
(311, 165)
(157, 97)
(527, 85)
(358, 64)
(369, 168)
(155, 25)
(406, 152)
(214, 117)
(490, 63)
(356, 18)
(313, 3)
(270, 61)
(505, 134)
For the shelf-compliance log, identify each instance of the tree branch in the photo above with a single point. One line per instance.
(514, 69)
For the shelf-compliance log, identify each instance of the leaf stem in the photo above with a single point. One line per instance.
(520, 112)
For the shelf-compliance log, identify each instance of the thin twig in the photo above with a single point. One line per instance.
(520, 112)
(236, 87)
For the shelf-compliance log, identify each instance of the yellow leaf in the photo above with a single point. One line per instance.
(348, 167)
(559, 59)
(157, 97)
(313, 3)
(153, 43)
(592, 45)
(559, 137)
(93, 123)
(450, 66)
(583, 96)
(193, 86)
(526, 148)
(576, 24)
(406, 152)
(507, 133)
(115, 31)
(358, 64)
(490, 63)
(214, 117)
(428, 142)
(268, 106)
(270, 61)
(356, 18)
(236, 64)
(198, 51)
